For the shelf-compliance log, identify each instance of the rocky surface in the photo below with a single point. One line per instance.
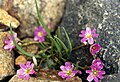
(6, 19)
(40, 79)
(46, 76)
(25, 12)
(6, 59)
(104, 15)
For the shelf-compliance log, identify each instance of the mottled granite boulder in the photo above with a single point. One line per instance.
(6, 19)
(6, 59)
(104, 15)
(25, 12)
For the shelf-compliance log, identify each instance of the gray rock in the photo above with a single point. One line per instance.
(6, 59)
(104, 15)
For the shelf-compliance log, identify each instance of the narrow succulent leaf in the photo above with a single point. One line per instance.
(38, 13)
(19, 48)
(57, 46)
(63, 45)
(60, 46)
(68, 40)
(59, 33)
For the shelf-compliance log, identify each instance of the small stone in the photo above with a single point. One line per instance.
(6, 58)
(20, 60)
(6, 19)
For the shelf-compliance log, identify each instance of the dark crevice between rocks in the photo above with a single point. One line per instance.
(6, 79)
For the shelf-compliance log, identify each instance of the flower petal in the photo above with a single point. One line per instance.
(67, 64)
(62, 74)
(27, 76)
(83, 31)
(7, 41)
(22, 66)
(88, 30)
(83, 40)
(94, 35)
(7, 46)
(90, 78)
(100, 76)
(90, 41)
(31, 66)
(35, 38)
(96, 79)
(28, 64)
(101, 72)
(73, 73)
(20, 72)
(63, 68)
(21, 76)
(94, 30)
(88, 71)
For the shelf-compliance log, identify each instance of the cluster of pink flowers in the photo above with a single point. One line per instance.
(39, 35)
(68, 71)
(96, 71)
(88, 35)
(97, 66)
(25, 70)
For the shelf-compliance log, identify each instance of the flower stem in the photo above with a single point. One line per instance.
(29, 43)
(43, 51)
(76, 48)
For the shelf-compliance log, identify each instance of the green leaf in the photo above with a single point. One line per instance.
(68, 40)
(57, 46)
(60, 46)
(59, 33)
(63, 45)
(19, 48)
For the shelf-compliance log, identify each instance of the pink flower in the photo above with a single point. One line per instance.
(26, 70)
(68, 71)
(40, 34)
(88, 34)
(97, 63)
(9, 42)
(95, 48)
(94, 74)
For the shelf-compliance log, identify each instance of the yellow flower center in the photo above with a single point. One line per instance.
(27, 71)
(95, 72)
(12, 44)
(69, 72)
(93, 47)
(88, 35)
(40, 34)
